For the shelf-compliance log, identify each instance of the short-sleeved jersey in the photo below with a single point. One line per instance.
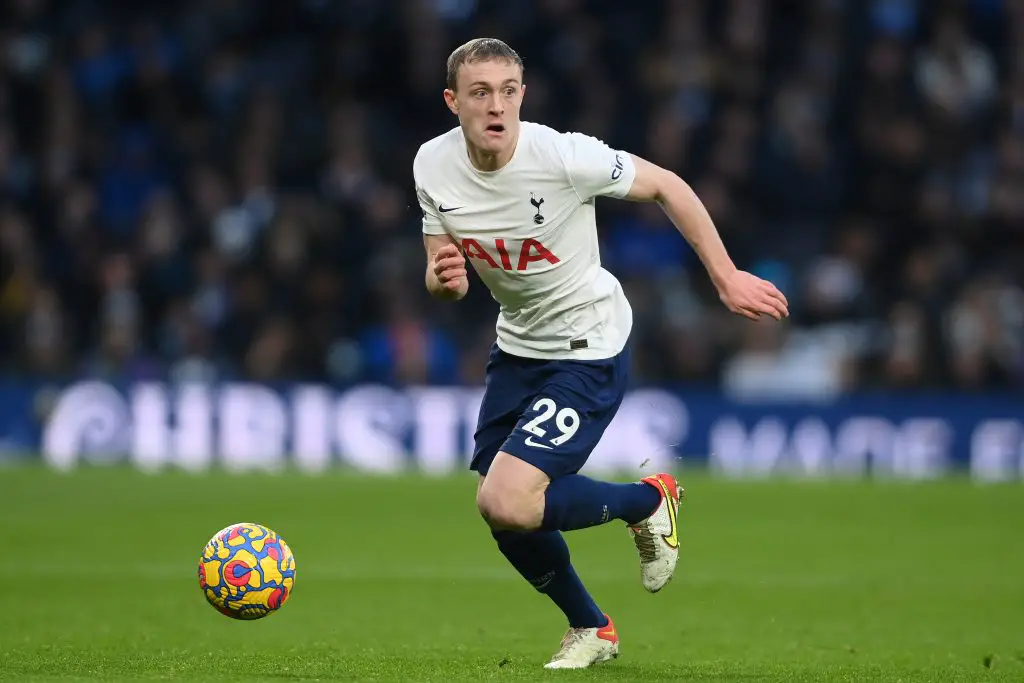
(529, 231)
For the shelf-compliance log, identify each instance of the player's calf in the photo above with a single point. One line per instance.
(516, 495)
(577, 502)
(542, 558)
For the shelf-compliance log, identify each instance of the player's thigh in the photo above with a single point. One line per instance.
(514, 476)
(508, 391)
(569, 414)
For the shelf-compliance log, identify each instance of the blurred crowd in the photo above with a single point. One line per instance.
(222, 189)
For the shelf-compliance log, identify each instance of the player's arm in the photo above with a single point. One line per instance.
(741, 292)
(446, 276)
(595, 169)
(446, 266)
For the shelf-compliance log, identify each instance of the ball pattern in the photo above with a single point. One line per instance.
(246, 571)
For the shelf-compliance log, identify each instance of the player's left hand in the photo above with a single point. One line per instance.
(750, 296)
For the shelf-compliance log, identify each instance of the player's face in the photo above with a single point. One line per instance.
(487, 103)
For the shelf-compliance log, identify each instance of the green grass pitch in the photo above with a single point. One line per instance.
(398, 580)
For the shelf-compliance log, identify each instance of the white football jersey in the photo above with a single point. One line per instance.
(529, 231)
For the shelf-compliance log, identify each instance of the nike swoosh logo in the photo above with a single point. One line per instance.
(530, 442)
(672, 539)
(446, 210)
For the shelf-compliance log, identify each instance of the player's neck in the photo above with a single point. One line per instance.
(490, 161)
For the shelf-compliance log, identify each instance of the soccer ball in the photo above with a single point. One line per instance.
(246, 571)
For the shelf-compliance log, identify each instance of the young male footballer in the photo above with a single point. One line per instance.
(516, 199)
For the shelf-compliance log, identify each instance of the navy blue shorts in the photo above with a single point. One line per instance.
(550, 413)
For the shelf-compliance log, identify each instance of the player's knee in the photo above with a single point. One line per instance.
(507, 508)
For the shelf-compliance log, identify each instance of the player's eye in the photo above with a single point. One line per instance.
(479, 93)
(510, 92)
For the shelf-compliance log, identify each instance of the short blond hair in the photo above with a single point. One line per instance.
(479, 50)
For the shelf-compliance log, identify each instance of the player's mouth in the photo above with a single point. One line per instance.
(495, 129)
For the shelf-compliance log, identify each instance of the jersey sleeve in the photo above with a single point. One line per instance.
(595, 169)
(431, 219)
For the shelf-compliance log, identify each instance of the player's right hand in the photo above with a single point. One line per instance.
(450, 268)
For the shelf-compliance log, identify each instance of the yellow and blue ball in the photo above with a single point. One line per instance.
(247, 571)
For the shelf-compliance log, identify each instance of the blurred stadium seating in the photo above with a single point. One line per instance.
(221, 190)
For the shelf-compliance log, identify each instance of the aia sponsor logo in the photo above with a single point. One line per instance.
(508, 257)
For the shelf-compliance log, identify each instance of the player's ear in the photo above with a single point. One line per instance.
(449, 99)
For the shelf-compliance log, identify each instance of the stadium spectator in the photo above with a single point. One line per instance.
(223, 189)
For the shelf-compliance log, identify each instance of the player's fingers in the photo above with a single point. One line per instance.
(773, 291)
(777, 293)
(444, 253)
(760, 307)
(447, 251)
(746, 312)
(751, 305)
(449, 263)
(453, 284)
(780, 303)
(774, 308)
(451, 274)
(763, 300)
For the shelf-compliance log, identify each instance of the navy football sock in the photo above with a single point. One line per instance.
(576, 502)
(542, 557)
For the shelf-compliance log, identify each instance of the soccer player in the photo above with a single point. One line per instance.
(516, 199)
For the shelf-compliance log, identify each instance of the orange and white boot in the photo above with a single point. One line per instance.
(583, 647)
(657, 537)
